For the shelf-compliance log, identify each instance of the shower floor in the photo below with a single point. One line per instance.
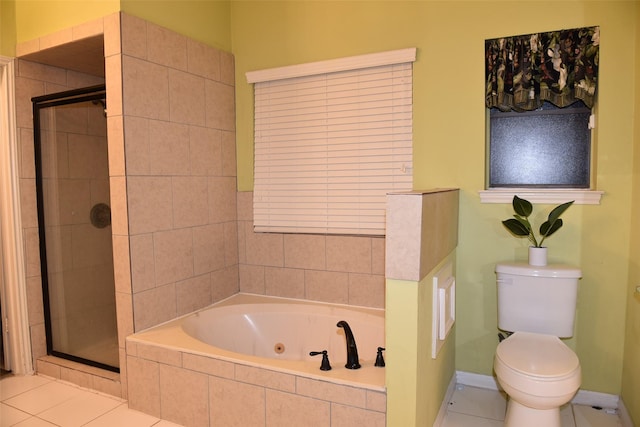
(104, 351)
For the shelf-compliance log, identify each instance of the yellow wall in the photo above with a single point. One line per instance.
(401, 336)
(36, 18)
(449, 143)
(416, 383)
(269, 34)
(422, 233)
(631, 367)
(7, 28)
(205, 21)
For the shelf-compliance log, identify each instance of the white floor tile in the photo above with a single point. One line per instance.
(586, 416)
(478, 402)
(471, 407)
(566, 416)
(11, 386)
(122, 416)
(80, 409)
(10, 416)
(454, 419)
(164, 423)
(35, 422)
(60, 404)
(42, 398)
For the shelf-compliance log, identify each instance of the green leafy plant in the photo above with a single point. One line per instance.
(520, 226)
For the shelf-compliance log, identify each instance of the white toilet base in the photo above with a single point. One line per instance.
(519, 415)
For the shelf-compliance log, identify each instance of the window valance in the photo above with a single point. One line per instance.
(559, 66)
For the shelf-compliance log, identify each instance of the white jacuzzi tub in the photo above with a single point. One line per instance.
(278, 334)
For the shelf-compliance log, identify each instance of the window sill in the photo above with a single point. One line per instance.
(543, 195)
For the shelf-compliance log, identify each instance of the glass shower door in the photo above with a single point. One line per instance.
(72, 179)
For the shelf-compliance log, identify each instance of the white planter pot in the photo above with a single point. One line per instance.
(537, 256)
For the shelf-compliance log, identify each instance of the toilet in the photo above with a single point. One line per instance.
(533, 366)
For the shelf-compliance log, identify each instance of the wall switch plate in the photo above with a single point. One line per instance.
(443, 306)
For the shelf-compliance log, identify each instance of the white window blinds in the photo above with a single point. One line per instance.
(329, 146)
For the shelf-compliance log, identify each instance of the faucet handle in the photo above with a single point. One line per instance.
(379, 358)
(324, 366)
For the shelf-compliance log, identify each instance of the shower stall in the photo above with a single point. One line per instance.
(72, 187)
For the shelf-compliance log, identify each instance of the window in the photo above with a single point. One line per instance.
(540, 90)
(549, 147)
(331, 140)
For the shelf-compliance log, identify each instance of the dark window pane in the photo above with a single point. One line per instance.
(546, 148)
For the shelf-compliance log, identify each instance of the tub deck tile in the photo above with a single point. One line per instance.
(184, 396)
(376, 401)
(331, 392)
(285, 409)
(233, 403)
(348, 416)
(207, 365)
(266, 378)
(143, 385)
(160, 354)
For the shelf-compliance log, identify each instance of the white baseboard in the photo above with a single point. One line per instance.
(477, 380)
(583, 397)
(445, 402)
(594, 398)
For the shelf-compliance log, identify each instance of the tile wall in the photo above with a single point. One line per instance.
(182, 234)
(195, 390)
(335, 269)
(172, 167)
(173, 175)
(177, 192)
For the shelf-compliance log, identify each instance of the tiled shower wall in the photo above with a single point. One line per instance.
(179, 187)
(172, 167)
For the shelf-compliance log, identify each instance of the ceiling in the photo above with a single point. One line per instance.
(85, 56)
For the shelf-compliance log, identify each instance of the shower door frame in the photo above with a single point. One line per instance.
(91, 93)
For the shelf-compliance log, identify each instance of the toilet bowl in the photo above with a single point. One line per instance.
(540, 374)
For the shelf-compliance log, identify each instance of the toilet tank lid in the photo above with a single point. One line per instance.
(551, 270)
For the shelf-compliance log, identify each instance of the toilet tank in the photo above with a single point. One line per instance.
(537, 299)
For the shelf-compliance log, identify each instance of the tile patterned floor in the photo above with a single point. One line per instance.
(37, 401)
(478, 407)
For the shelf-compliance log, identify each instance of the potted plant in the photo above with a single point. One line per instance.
(520, 226)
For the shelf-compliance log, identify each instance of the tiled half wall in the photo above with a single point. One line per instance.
(195, 390)
(335, 269)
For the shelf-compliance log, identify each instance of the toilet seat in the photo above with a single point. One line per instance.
(538, 364)
(537, 355)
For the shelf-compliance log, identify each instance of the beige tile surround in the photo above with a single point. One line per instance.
(171, 141)
(182, 235)
(177, 192)
(411, 255)
(195, 390)
(336, 269)
(173, 163)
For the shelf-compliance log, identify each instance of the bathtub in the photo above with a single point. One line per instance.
(277, 334)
